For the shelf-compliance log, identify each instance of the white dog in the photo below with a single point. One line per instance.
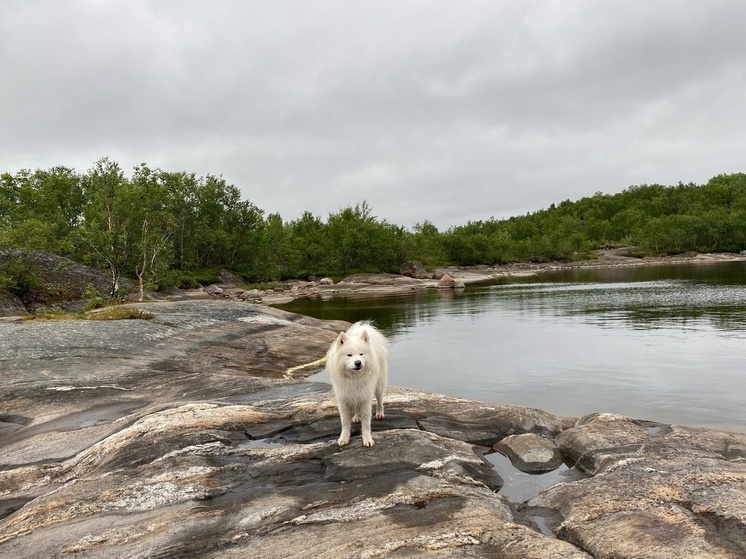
(358, 368)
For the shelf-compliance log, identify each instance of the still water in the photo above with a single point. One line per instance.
(666, 343)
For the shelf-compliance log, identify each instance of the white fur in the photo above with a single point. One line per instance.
(358, 368)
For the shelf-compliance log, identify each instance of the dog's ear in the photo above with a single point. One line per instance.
(342, 338)
(364, 336)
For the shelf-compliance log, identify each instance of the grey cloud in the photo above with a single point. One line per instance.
(428, 110)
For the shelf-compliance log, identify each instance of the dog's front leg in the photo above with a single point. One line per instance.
(379, 403)
(345, 417)
(365, 415)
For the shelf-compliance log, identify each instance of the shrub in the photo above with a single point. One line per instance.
(19, 276)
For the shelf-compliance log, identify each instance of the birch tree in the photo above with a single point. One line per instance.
(107, 240)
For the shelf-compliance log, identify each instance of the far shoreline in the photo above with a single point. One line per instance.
(372, 285)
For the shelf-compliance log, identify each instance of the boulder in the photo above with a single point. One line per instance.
(250, 294)
(448, 282)
(213, 289)
(326, 281)
(230, 279)
(414, 269)
(10, 305)
(531, 453)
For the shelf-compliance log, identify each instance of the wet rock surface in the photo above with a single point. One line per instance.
(194, 435)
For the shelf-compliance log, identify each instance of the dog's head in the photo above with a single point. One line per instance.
(353, 351)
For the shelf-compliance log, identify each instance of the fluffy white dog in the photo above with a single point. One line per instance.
(358, 368)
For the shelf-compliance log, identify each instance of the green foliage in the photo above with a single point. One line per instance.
(191, 279)
(106, 230)
(358, 242)
(426, 245)
(19, 276)
(656, 219)
(94, 299)
(40, 210)
(174, 229)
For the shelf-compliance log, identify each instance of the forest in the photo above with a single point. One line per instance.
(164, 229)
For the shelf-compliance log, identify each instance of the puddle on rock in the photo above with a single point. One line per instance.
(541, 524)
(319, 376)
(520, 487)
(263, 443)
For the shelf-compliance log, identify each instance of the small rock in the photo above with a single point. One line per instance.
(530, 453)
(213, 289)
(250, 294)
(447, 282)
(326, 281)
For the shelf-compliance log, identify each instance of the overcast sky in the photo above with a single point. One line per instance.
(429, 110)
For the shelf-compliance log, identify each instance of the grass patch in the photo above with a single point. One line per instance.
(49, 316)
(110, 313)
(118, 313)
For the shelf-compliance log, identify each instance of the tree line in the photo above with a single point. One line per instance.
(656, 219)
(165, 228)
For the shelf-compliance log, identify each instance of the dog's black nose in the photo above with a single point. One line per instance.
(358, 364)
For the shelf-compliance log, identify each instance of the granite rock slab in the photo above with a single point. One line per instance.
(194, 434)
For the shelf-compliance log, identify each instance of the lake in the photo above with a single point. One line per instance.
(664, 342)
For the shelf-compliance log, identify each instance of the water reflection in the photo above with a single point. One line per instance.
(641, 305)
(661, 343)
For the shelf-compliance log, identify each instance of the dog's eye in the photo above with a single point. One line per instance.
(349, 355)
(361, 354)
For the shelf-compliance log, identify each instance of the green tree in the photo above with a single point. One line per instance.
(181, 200)
(277, 260)
(40, 210)
(426, 244)
(105, 232)
(309, 240)
(359, 242)
(151, 225)
(244, 225)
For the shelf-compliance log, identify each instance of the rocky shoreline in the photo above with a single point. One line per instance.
(194, 434)
(65, 281)
(371, 285)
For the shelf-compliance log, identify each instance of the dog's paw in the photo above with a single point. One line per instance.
(356, 418)
(342, 441)
(368, 442)
(380, 416)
